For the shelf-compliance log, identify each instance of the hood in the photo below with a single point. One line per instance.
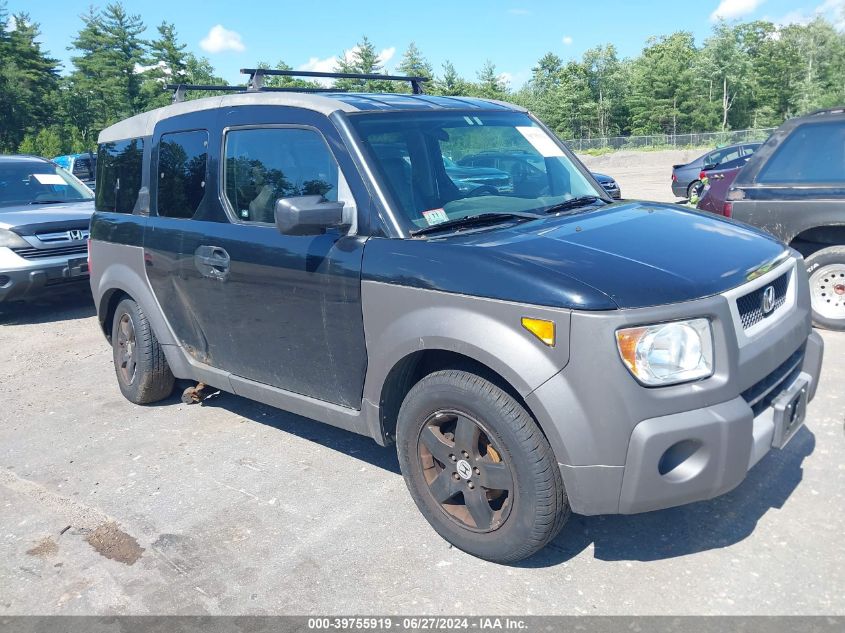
(602, 178)
(624, 255)
(24, 219)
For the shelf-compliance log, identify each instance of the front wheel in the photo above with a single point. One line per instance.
(827, 287)
(479, 468)
(143, 374)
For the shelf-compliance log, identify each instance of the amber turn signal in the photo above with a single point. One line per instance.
(542, 329)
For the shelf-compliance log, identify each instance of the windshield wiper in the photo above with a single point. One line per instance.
(473, 220)
(573, 203)
(47, 201)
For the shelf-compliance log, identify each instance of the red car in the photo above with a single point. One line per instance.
(714, 195)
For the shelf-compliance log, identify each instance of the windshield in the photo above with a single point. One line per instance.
(36, 182)
(446, 166)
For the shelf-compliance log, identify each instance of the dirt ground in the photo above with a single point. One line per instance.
(642, 175)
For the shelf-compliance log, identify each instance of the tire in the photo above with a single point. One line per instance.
(691, 188)
(506, 447)
(827, 287)
(141, 368)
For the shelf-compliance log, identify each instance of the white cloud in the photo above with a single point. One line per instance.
(732, 9)
(11, 24)
(567, 40)
(329, 64)
(833, 10)
(221, 39)
(519, 11)
(505, 78)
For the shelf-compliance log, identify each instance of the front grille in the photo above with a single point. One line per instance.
(750, 306)
(56, 251)
(760, 395)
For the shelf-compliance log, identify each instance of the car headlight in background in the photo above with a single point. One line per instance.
(668, 353)
(11, 240)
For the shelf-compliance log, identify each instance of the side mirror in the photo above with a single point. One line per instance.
(307, 215)
(709, 167)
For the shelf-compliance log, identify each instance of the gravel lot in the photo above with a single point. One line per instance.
(642, 175)
(231, 507)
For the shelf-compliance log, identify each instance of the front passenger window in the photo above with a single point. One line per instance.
(263, 165)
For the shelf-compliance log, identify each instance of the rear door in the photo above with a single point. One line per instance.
(800, 185)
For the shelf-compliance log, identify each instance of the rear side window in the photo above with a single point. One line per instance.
(814, 153)
(263, 165)
(119, 175)
(182, 168)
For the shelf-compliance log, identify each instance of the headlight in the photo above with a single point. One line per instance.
(668, 353)
(11, 240)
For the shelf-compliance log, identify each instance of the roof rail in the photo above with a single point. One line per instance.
(256, 77)
(179, 90)
(834, 110)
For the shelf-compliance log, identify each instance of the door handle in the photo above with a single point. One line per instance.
(212, 261)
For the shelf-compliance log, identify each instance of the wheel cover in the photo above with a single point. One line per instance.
(465, 471)
(127, 363)
(827, 286)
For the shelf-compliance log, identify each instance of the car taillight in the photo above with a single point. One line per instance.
(674, 177)
(727, 209)
(702, 175)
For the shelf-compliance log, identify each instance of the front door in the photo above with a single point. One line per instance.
(277, 309)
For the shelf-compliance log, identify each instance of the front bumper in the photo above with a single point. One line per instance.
(24, 279)
(625, 448)
(701, 454)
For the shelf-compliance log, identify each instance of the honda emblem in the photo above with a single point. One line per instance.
(768, 303)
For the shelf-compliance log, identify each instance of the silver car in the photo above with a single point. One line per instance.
(44, 218)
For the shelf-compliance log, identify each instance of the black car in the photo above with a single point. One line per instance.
(528, 352)
(794, 188)
(610, 185)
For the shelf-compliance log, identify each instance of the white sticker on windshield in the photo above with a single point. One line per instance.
(50, 179)
(540, 141)
(435, 216)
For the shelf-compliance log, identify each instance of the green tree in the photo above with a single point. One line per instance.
(663, 84)
(451, 83)
(490, 84)
(414, 64)
(107, 68)
(363, 58)
(29, 81)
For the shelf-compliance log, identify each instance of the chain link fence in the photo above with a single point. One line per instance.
(700, 139)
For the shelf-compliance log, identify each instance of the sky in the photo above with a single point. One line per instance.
(513, 34)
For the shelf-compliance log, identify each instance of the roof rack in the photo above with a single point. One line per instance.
(834, 110)
(179, 90)
(256, 77)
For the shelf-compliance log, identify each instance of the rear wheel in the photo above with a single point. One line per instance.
(479, 468)
(827, 287)
(694, 187)
(139, 363)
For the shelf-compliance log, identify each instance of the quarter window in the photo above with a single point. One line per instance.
(263, 165)
(119, 175)
(182, 167)
(813, 153)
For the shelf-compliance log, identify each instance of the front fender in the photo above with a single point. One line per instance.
(400, 320)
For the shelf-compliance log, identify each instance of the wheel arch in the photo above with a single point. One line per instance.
(415, 366)
(815, 238)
